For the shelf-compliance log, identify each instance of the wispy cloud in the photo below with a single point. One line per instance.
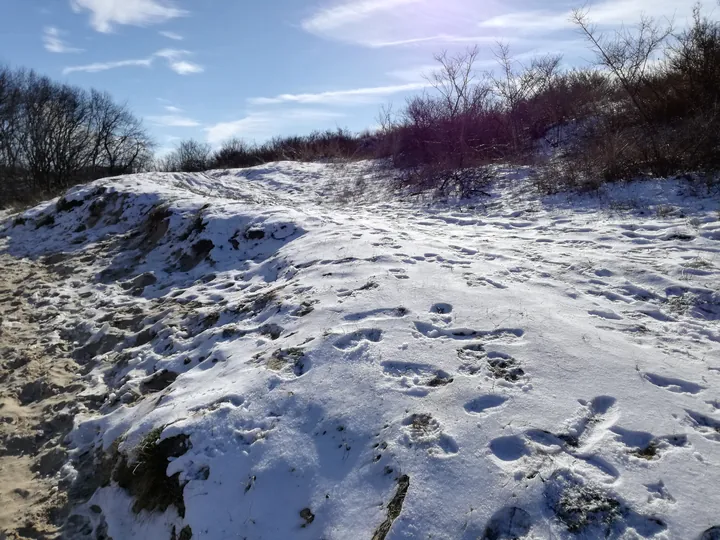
(346, 97)
(395, 23)
(433, 23)
(173, 109)
(105, 66)
(173, 57)
(54, 42)
(604, 13)
(349, 12)
(264, 125)
(106, 13)
(171, 35)
(439, 38)
(173, 120)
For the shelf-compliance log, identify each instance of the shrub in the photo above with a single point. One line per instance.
(188, 156)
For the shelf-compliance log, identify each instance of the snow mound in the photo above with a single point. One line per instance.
(261, 362)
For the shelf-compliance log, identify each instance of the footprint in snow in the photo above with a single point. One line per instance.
(422, 430)
(510, 448)
(399, 273)
(645, 445)
(673, 385)
(433, 332)
(484, 404)
(605, 314)
(441, 308)
(508, 523)
(380, 313)
(707, 426)
(354, 339)
(496, 365)
(581, 505)
(574, 443)
(416, 379)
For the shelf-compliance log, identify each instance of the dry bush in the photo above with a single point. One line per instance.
(444, 182)
(327, 145)
(668, 110)
(188, 156)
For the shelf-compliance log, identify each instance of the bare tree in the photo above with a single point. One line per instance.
(517, 83)
(628, 55)
(55, 135)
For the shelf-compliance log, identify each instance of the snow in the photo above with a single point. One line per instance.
(508, 355)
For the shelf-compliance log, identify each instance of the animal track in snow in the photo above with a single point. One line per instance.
(354, 339)
(673, 385)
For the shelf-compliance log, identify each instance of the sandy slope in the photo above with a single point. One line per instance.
(37, 403)
(287, 367)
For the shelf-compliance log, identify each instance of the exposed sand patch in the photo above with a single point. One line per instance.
(37, 404)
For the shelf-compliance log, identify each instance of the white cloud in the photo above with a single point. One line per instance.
(171, 35)
(264, 125)
(393, 23)
(349, 13)
(105, 66)
(105, 13)
(173, 120)
(172, 56)
(173, 109)
(176, 62)
(605, 13)
(356, 95)
(433, 23)
(185, 68)
(54, 42)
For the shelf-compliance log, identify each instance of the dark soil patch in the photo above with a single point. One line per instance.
(200, 251)
(63, 205)
(146, 478)
(158, 382)
(394, 508)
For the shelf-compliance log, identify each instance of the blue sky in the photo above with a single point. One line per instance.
(212, 69)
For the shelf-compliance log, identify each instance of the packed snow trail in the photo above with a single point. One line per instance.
(519, 368)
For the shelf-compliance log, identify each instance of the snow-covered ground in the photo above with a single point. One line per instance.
(515, 368)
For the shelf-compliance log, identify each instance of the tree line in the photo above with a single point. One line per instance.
(53, 136)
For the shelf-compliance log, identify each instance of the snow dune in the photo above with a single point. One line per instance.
(513, 368)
